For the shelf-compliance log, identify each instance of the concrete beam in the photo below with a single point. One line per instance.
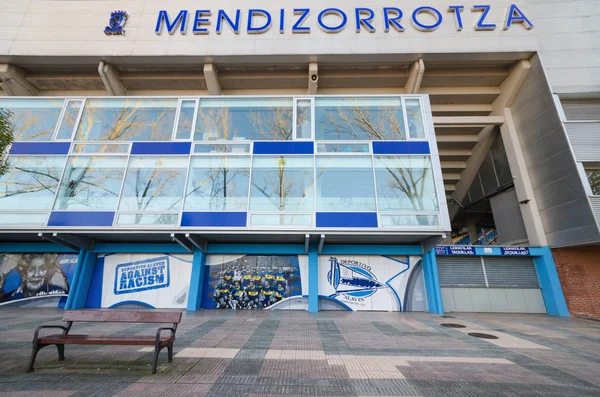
(313, 78)
(468, 120)
(461, 108)
(458, 138)
(110, 77)
(511, 86)
(455, 152)
(475, 90)
(211, 77)
(183, 241)
(415, 76)
(197, 241)
(13, 81)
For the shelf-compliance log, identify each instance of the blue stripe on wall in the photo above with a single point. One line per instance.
(81, 218)
(161, 148)
(278, 147)
(22, 148)
(346, 219)
(401, 147)
(219, 219)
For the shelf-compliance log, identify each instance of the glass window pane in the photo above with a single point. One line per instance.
(415, 118)
(593, 176)
(408, 220)
(281, 220)
(140, 218)
(342, 148)
(244, 119)
(23, 219)
(221, 148)
(101, 148)
(33, 119)
(366, 119)
(67, 124)
(345, 183)
(218, 183)
(30, 183)
(405, 183)
(131, 119)
(91, 183)
(154, 183)
(282, 183)
(303, 119)
(186, 118)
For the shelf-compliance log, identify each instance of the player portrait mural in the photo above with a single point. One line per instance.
(250, 282)
(34, 276)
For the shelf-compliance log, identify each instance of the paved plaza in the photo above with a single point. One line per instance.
(273, 353)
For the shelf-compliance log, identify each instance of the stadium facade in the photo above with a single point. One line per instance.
(318, 156)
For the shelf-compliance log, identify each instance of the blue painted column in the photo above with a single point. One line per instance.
(74, 280)
(81, 286)
(432, 283)
(313, 278)
(197, 281)
(550, 284)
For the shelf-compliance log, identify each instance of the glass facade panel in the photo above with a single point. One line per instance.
(368, 119)
(305, 220)
(593, 175)
(30, 183)
(218, 183)
(23, 219)
(243, 119)
(140, 218)
(303, 119)
(343, 148)
(154, 183)
(33, 119)
(345, 183)
(65, 131)
(405, 183)
(282, 183)
(101, 148)
(186, 119)
(131, 119)
(414, 117)
(390, 220)
(91, 183)
(222, 148)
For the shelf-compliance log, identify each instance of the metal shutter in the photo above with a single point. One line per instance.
(511, 272)
(581, 110)
(460, 271)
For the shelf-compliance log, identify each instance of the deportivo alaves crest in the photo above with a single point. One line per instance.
(116, 23)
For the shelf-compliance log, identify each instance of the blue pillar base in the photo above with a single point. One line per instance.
(196, 281)
(432, 283)
(313, 278)
(550, 284)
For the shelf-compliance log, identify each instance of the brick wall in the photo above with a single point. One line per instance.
(579, 273)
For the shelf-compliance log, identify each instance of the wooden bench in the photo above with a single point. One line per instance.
(109, 316)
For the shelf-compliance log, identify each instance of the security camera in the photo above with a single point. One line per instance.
(314, 77)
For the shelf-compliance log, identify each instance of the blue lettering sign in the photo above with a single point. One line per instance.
(281, 20)
(222, 16)
(515, 251)
(441, 250)
(461, 250)
(298, 28)
(514, 15)
(198, 21)
(180, 20)
(142, 275)
(261, 29)
(426, 10)
(481, 25)
(395, 21)
(332, 11)
(363, 21)
(457, 17)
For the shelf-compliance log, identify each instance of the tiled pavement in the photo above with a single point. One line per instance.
(227, 353)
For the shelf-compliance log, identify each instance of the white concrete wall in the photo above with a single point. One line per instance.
(565, 33)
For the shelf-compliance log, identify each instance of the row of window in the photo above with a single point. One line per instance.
(206, 119)
(292, 184)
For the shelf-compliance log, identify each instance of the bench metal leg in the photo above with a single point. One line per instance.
(61, 352)
(170, 351)
(36, 348)
(155, 362)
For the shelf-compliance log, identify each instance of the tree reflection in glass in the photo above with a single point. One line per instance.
(30, 183)
(359, 119)
(33, 119)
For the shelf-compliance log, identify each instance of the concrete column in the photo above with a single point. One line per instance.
(550, 284)
(472, 233)
(313, 277)
(529, 209)
(197, 281)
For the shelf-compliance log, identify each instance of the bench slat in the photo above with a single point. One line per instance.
(127, 340)
(122, 316)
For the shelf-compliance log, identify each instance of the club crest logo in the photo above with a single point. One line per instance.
(116, 23)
